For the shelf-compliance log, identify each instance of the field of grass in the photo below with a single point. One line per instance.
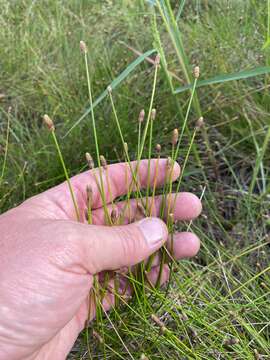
(218, 303)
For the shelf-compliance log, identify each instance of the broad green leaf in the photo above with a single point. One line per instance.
(226, 77)
(118, 80)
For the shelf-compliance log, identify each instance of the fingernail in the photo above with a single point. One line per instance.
(154, 231)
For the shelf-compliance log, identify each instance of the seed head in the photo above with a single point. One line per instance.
(196, 72)
(257, 355)
(89, 192)
(159, 323)
(157, 60)
(98, 337)
(184, 317)
(125, 147)
(83, 47)
(103, 161)
(158, 148)
(144, 357)
(114, 216)
(200, 122)
(141, 116)
(231, 341)
(141, 211)
(109, 89)
(90, 161)
(175, 136)
(169, 163)
(193, 333)
(153, 114)
(171, 218)
(48, 122)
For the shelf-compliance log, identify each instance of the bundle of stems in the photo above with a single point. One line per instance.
(137, 277)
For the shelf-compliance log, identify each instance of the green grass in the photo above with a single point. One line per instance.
(224, 291)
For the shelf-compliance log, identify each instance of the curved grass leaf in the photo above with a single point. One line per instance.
(118, 80)
(226, 77)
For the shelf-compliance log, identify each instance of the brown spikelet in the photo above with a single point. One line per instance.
(200, 122)
(103, 162)
(171, 218)
(160, 323)
(196, 72)
(141, 116)
(83, 47)
(175, 136)
(184, 317)
(158, 148)
(231, 341)
(90, 161)
(97, 336)
(114, 216)
(140, 211)
(125, 148)
(153, 114)
(144, 357)
(257, 356)
(169, 163)
(193, 333)
(157, 60)
(48, 122)
(89, 193)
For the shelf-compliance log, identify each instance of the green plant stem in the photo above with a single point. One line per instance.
(149, 115)
(139, 137)
(167, 189)
(123, 143)
(6, 148)
(66, 175)
(183, 167)
(149, 164)
(89, 212)
(96, 138)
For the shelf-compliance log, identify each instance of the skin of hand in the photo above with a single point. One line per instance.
(48, 259)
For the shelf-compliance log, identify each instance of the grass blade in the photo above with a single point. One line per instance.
(181, 7)
(259, 160)
(6, 147)
(227, 77)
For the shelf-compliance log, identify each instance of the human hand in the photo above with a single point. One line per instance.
(48, 260)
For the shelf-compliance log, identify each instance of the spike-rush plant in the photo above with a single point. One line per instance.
(144, 291)
(138, 282)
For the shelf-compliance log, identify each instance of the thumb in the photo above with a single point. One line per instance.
(110, 248)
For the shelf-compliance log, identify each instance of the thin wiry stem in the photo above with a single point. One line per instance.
(149, 158)
(115, 330)
(149, 111)
(66, 175)
(6, 147)
(183, 167)
(95, 136)
(123, 142)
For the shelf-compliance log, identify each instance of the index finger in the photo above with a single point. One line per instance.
(116, 178)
